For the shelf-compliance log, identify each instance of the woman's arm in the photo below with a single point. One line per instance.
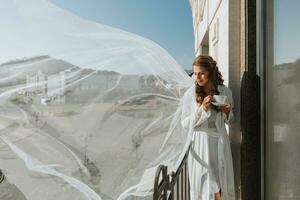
(196, 117)
(201, 115)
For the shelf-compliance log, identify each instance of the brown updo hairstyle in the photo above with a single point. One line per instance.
(214, 76)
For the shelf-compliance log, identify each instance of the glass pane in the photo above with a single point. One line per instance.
(283, 103)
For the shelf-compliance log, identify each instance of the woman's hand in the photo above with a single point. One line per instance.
(226, 108)
(207, 102)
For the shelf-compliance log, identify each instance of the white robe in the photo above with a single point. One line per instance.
(210, 160)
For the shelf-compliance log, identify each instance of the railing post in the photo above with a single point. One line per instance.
(173, 175)
(164, 182)
(1, 176)
(161, 186)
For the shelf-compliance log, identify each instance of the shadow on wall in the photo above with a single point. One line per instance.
(250, 126)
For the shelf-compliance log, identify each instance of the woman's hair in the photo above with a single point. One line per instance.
(214, 75)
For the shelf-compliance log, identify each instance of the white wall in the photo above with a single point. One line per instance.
(218, 37)
(215, 20)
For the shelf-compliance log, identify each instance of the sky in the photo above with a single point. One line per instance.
(167, 22)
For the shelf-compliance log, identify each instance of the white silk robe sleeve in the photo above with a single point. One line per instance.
(201, 115)
(192, 113)
(228, 93)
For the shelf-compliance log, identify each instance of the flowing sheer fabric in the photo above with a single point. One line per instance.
(87, 111)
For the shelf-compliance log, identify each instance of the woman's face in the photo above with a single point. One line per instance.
(201, 75)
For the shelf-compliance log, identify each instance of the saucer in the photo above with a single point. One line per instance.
(217, 103)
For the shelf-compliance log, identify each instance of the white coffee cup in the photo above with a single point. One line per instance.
(219, 100)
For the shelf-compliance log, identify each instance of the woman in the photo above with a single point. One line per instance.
(209, 160)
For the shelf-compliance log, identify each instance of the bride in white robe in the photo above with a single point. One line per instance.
(210, 160)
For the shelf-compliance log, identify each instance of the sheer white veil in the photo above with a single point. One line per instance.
(87, 111)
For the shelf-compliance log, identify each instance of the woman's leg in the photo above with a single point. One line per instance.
(218, 196)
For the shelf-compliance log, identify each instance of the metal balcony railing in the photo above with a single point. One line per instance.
(1, 176)
(174, 186)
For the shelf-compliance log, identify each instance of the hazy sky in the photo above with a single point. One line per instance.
(167, 22)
